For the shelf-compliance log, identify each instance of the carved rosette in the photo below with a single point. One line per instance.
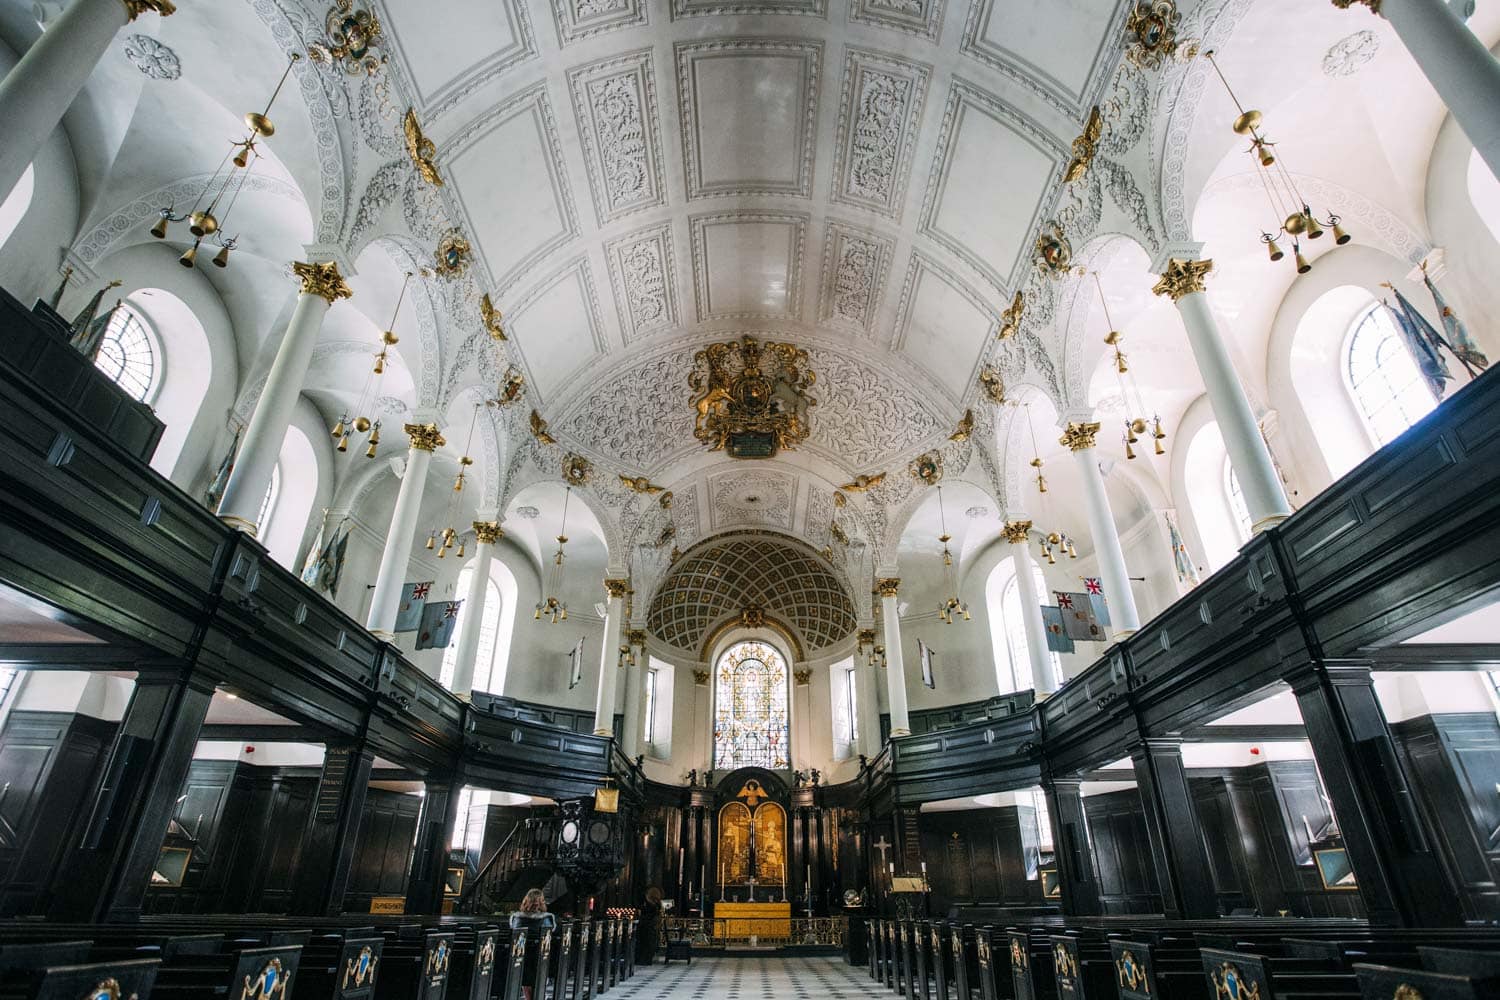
(323, 280)
(425, 437)
(135, 8)
(1016, 532)
(576, 469)
(1183, 277)
(928, 469)
(888, 586)
(616, 588)
(1078, 437)
(488, 532)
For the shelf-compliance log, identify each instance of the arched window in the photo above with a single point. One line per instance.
(1484, 193)
(1008, 629)
(489, 631)
(1388, 387)
(751, 726)
(268, 502)
(13, 208)
(1236, 499)
(126, 354)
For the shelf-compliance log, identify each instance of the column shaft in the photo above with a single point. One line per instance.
(429, 866)
(327, 858)
(609, 659)
(36, 94)
(471, 615)
(895, 668)
(1070, 841)
(1457, 65)
(398, 540)
(1177, 849)
(635, 681)
(868, 707)
(1123, 616)
(1043, 677)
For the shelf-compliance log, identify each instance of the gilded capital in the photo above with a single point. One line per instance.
(135, 8)
(1079, 436)
(888, 586)
(616, 589)
(322, 279)
(700, 677)
(1183, 277)
(425, 437)
(636, 637)
(1016, 532)
(1374, 5)
(866, 637)
(802, 677)
(488, 532)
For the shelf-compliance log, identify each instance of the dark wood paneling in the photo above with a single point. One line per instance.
(382, 860)
(1122, 854)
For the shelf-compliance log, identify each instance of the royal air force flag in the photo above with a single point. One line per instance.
(1057, 636)
(925, 654)
(575, 665)
(413, 600)
(438, 621)
(1078, 617)
(1095, 591)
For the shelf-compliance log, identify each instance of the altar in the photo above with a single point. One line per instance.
(769, 922)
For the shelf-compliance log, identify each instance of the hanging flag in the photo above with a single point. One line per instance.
(575, 665)
(413, 598)
(1186, 571)
(309, 573)
(1078, 617)
(215, 492)
(1458, 341)
(438, 621)
(1095, 590)
(925, 654)
(1057, 636)
(79, 330)
(332, 566)
(1422, 341)
(89, 341)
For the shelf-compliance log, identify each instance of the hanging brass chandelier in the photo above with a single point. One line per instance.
(210, 212)
(552, 606)
(1054, 543)
(952, 607)
(450, 534)
(1136, 422)
(360, 422)
(1298, 220)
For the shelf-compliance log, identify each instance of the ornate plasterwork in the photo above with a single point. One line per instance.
(685, 517)
(643, 274)
(1350, 54)
(378, 117)
(753, 497)
(615, 101)
(580, 19)
(808, 53)
(431, 331)
(384, 187)
(855, 264)
(155, 60)
(879, 114)
(722, 8)
(913, 17)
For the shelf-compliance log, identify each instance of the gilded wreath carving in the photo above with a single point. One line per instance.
(751, 399)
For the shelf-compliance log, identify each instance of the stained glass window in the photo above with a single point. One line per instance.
(750, 717)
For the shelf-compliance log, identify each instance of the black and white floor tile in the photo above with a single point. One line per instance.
(770, 978)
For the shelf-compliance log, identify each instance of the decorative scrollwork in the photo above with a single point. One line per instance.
(751, 399)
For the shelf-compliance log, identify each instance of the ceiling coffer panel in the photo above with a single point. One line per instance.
(724, 577)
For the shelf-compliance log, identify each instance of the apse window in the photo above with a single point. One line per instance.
(1012, 656)
(126, 354)
(845, 710)
(489, 632)
(751, 725)
(1236, 499)
(1387, 385)
(268, 502)
(650, 731)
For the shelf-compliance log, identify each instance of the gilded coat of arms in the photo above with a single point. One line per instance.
(751, 398)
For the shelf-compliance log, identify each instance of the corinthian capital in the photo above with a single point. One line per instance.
(1374, 5)
(1077, 437)
(135, 8)
(1016, 532)
(322, 279)
(425, 437)
(488, 532)
(1182, 277)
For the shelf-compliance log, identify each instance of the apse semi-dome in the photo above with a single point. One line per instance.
(719, 580)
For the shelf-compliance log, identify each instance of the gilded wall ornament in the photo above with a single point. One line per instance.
(488, 532)
(135, 8)
(838, 533)
(1053, 254)
(425, 437)
(421, 149)
(510, 389)
(491, 318)
(861, 484)
(1010, 319)
(965, 427)
(453, 255)
(700, 677)
(539, 429)
(802, 677)
(928, 469)
(576, 469)
(1016, 532)
(1079, 437)
(323, 280)
(1182, 278)
(640, 484)
(1085, 147)
(1151, 33)
(666, 500)
(993, 384)
(889, 586)
(751, 399)
(353, 40)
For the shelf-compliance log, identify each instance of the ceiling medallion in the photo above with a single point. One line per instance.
(491, 318)
(1085, 147)
(965, 428)
(510, 389)
(453, 255)
(993, 385)
(528, 513)
(1010, 319)
(751, 399)
(353, 38)
(576, 469)
(421, 149)
(539, 429)
(1054, 254)
(928, 469)
(1151, 33)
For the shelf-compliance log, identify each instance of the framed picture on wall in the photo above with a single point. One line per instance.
(171, 865)
(1051, 884)
(1335, 870)
(453, 882)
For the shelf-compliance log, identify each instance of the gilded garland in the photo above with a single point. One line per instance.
(751, 398)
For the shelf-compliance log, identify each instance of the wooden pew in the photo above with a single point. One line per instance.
(1237, 974)
(474, 963)
(872, 946)
(97, 981)
(542, 963)
(1380, 982)
(249, 974)
(414, 968)
(337, 967)
(965, 961)
(937, 947)
(888, 964)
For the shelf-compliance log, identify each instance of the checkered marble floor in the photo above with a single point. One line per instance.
(770, 978)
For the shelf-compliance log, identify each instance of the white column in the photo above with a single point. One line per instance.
(635, 690)
(864, 694)
(1182, 281)
(1454, 61)
(895, 669)
(703, 725)
(322, 286)
(1123, 616)
(471, 616)
(36, 94)
(609, 658)
(425, 439)
(1043, 680)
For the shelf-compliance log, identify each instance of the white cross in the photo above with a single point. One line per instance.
(882, 845)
